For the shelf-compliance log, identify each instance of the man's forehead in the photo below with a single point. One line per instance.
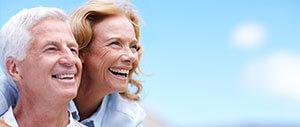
(51, 30)
(44, 24)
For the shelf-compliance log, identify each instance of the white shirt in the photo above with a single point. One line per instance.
(10, 119)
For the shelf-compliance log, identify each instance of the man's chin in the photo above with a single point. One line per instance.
(68, 94)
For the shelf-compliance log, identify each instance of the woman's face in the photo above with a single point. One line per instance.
(112, 54)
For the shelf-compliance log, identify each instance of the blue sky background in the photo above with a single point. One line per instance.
(213, 62)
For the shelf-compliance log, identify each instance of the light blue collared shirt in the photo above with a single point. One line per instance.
(8, 95)
(114, 111)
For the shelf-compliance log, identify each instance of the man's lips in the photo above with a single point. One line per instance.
(64, 76)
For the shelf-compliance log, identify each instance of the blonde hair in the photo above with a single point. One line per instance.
(83, 18)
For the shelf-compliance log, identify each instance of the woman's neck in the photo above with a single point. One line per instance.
(89, 97)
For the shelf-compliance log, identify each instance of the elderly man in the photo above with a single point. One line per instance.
(39, 56)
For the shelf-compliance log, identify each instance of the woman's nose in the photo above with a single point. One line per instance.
(128, 56)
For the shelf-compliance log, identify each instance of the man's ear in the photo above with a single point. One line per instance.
(12, 68)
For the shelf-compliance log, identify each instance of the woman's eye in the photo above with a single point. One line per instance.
(134, 46)
(114, 43)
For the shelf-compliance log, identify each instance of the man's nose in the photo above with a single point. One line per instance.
(67, 58)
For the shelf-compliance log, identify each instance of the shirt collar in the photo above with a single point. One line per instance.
(9, 118)
(71, 120)
(95, 119)
(111, 104)
(73, 110)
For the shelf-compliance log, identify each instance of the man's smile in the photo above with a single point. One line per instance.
(64, 76)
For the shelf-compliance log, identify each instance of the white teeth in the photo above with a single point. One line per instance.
(62, 76)
(122, 71)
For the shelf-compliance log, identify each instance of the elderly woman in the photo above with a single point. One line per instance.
(108, 37)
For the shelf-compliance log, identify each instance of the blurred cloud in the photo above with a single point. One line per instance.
(153, 120)
(154, 117)
(248, 35)
(277, 74)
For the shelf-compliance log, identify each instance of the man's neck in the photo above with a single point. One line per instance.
(32, 112)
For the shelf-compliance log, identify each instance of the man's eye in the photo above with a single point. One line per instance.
(51, 49)
(74, 50)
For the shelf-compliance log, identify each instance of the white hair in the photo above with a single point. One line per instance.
(15, 37)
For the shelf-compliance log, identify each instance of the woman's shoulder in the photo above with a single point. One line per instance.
(127, 113)
(8, 94)
(119, 104)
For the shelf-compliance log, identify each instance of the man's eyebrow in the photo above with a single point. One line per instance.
(51, 43)
(55, 43)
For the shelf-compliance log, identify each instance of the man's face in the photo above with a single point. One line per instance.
(51, 68)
